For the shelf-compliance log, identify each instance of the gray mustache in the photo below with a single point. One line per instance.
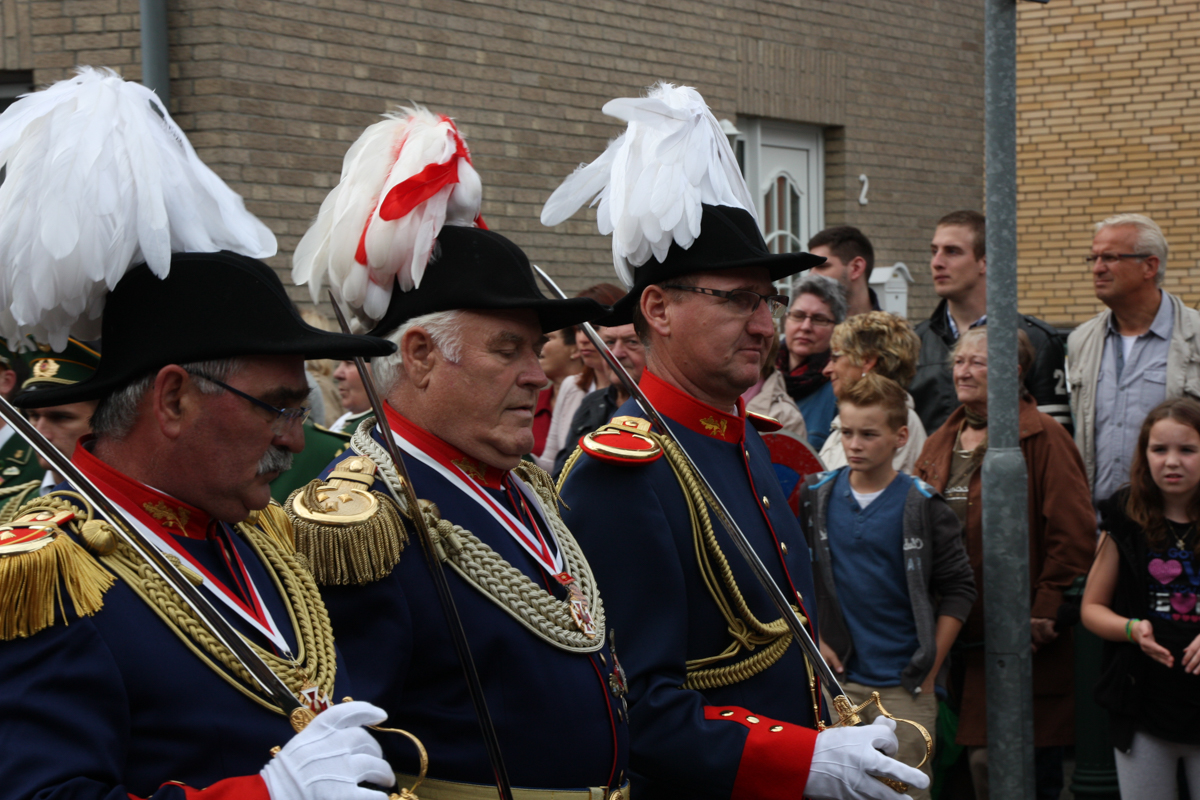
(277, 459)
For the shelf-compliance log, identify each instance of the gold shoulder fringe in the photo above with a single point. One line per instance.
(346, 554)
(38, 559)
(274, 522)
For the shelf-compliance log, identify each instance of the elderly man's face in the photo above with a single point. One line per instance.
(236, 447)
(1115, 278)
(483, 404)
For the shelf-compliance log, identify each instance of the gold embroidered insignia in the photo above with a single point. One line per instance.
(46, 368)
(10, 471)
(470, 467)
(169, 517)
(714, 428)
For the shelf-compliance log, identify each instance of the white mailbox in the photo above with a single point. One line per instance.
(891, 284)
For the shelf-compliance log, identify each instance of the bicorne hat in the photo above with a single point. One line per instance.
(480, 270)
(210, 306)
(729, 239)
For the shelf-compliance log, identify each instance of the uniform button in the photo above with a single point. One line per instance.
(753, 720)
(766, 502)
(783, 547)
(776, 728)
(726, 713)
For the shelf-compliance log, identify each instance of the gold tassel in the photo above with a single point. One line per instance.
(30, 588)
(273, 520)
(349, 555)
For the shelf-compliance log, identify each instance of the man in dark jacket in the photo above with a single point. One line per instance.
(959, 265)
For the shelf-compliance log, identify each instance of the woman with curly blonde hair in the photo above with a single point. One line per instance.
(876, 342)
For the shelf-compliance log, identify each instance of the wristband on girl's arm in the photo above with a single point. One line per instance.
(1129, 623)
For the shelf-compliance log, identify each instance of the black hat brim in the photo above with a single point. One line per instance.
(729, 239)
(479, 270)
(210, 306)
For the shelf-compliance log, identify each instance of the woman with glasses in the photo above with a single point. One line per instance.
(885, 344)
(818, 304)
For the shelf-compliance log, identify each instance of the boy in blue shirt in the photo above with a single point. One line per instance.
(893, 580)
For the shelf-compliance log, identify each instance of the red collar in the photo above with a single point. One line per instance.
(693, 414)
(487, 476)
(173, 516)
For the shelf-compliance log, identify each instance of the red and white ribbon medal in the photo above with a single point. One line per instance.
(580, 610)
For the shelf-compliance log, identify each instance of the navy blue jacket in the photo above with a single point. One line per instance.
(634, 525)
(559, 724)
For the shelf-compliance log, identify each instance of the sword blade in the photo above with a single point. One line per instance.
(799, 633)
(490, 740)
(212, 620)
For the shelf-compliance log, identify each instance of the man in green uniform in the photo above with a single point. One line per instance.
(65, 424)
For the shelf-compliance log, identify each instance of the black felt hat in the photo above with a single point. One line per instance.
(480, 270)
(729, 239)
(210, 306)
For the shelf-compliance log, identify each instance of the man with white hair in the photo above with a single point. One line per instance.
(1128, 359)
(460, 395)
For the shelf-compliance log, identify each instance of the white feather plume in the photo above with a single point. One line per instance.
(652, 179)
(97, 178)
(388, 160)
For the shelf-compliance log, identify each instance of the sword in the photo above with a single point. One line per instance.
(212, 621)
(490, 740)
(799, 632)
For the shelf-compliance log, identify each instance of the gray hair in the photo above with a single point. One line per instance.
(443, 328)
(115, 415)
(1150, 237)
(827, 290)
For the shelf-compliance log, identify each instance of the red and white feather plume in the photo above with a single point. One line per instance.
(96, 178)
(402, 180)
(650, 182)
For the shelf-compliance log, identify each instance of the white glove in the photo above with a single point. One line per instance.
(844, 760)
(328, 759)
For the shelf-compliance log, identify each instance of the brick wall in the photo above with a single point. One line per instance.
(273, 92)
(1108, 121)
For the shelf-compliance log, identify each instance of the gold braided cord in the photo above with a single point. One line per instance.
(14, 497)
(315, 663)
(749, 634)
(509, 588)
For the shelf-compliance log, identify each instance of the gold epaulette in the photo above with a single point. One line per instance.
(624, 440)
(350, 535)
(37, 556)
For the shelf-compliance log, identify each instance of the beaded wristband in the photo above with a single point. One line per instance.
(1129, 623)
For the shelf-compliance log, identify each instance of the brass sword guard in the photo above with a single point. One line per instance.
(850, 715)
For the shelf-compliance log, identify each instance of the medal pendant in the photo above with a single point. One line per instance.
(580, 612)
(310, 695)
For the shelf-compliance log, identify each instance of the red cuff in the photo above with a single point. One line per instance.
(776, 756)
(243, 787)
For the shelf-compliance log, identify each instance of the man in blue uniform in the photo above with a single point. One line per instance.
(712, 668)
(460, 394)
(119, 692)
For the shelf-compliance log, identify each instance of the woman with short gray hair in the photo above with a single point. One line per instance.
(818, 303)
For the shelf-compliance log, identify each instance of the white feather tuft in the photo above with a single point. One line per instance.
(98, 178)
(358, 243)
(650, 182)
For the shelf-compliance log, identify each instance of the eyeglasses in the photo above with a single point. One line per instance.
(285, 418)
(817, 320)
(745, 301)
(1108, 259)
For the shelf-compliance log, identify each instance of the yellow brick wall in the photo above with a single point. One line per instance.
(1108, 120)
